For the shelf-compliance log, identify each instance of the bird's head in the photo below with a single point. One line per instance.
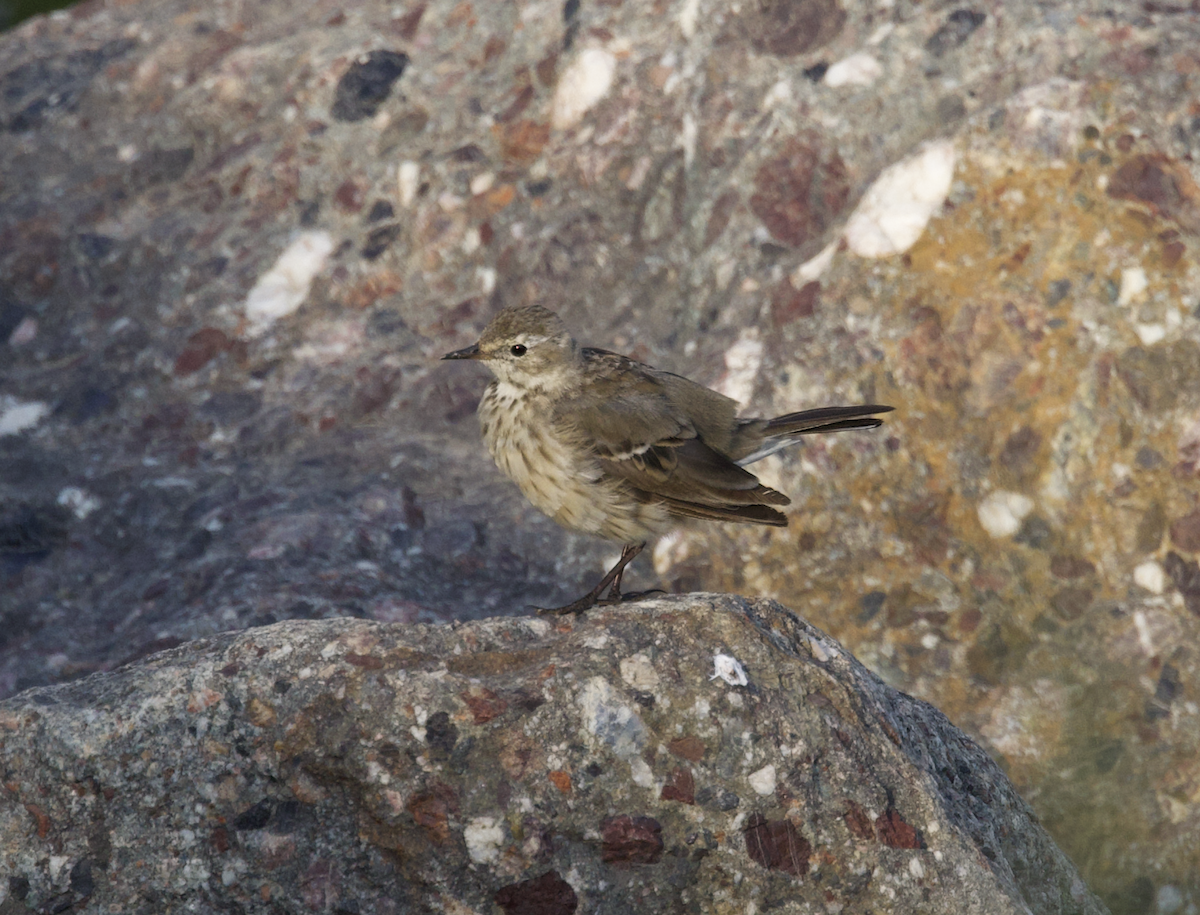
(528, 347)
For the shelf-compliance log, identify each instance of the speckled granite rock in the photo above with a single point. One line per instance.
(233, 240)
(513, 765)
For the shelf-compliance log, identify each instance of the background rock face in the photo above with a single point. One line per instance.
(591, 766)
(234, 240)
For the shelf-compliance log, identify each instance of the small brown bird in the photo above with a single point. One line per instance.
(606, 445)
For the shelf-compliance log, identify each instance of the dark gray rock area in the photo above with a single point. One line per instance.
(686, 754)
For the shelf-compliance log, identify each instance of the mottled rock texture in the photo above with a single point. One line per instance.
(193, 438)
(512, 765)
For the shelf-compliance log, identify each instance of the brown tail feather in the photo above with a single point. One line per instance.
(826, 419)
(762, 438)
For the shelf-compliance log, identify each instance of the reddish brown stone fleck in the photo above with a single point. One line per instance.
(432, 812)
(689, 748)
(858, 822)
(484, 705)
(888, 729)
(561, 780)
(517, 106)
(219, 840)
(350, 196)
(923, 524)
(932, 358)
(1186, 577)
(680, 786)
(370, 289)
(630, 840)
(1171, 253)
(1159, 182)
(718, 219)
(462, 14)
(521, 142)
(777, 845)
(970, 620)
(368, 661)
(201, 348)
(1185, 533)
(892, 830)
(548, 894)
(321, 886)
(789, 303)
(43, 821)
(1071, 567)
(1020, 451)
(801, 191)
(407, 24)
(496, 199)
(1018, 257)
(373, 389)
(547, 69)
(494, 48)
(790, 27)
(1071, 603)
(202, 699)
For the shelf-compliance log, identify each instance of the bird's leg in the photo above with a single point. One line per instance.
(613, 578)
(628, 552)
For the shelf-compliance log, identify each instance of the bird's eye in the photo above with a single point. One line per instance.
(518, 349)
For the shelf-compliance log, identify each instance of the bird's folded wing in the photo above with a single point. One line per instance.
(639, 435)
(691, 472)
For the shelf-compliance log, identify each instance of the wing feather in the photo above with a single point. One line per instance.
(630, 419)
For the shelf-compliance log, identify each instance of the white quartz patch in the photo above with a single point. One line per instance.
(81, 502)
(897, 207)
(1133, 285)
(641, 774)
(1150, 576)
(584, 82)
(408, 180)
(763, 781)
(282, 289)
(859, 69)
(1002, 512)
(1150, 334)
(688, 15)
(484, 837)
(19, 415)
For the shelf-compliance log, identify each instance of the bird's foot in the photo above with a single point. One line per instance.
(637, 595)
(577, 607)
(612, 581)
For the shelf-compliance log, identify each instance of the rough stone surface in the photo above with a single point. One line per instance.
(349, 765)
(1019, 546)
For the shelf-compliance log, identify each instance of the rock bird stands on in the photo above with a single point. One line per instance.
(608, 446)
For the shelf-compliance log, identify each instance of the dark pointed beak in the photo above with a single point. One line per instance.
(470, 352)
